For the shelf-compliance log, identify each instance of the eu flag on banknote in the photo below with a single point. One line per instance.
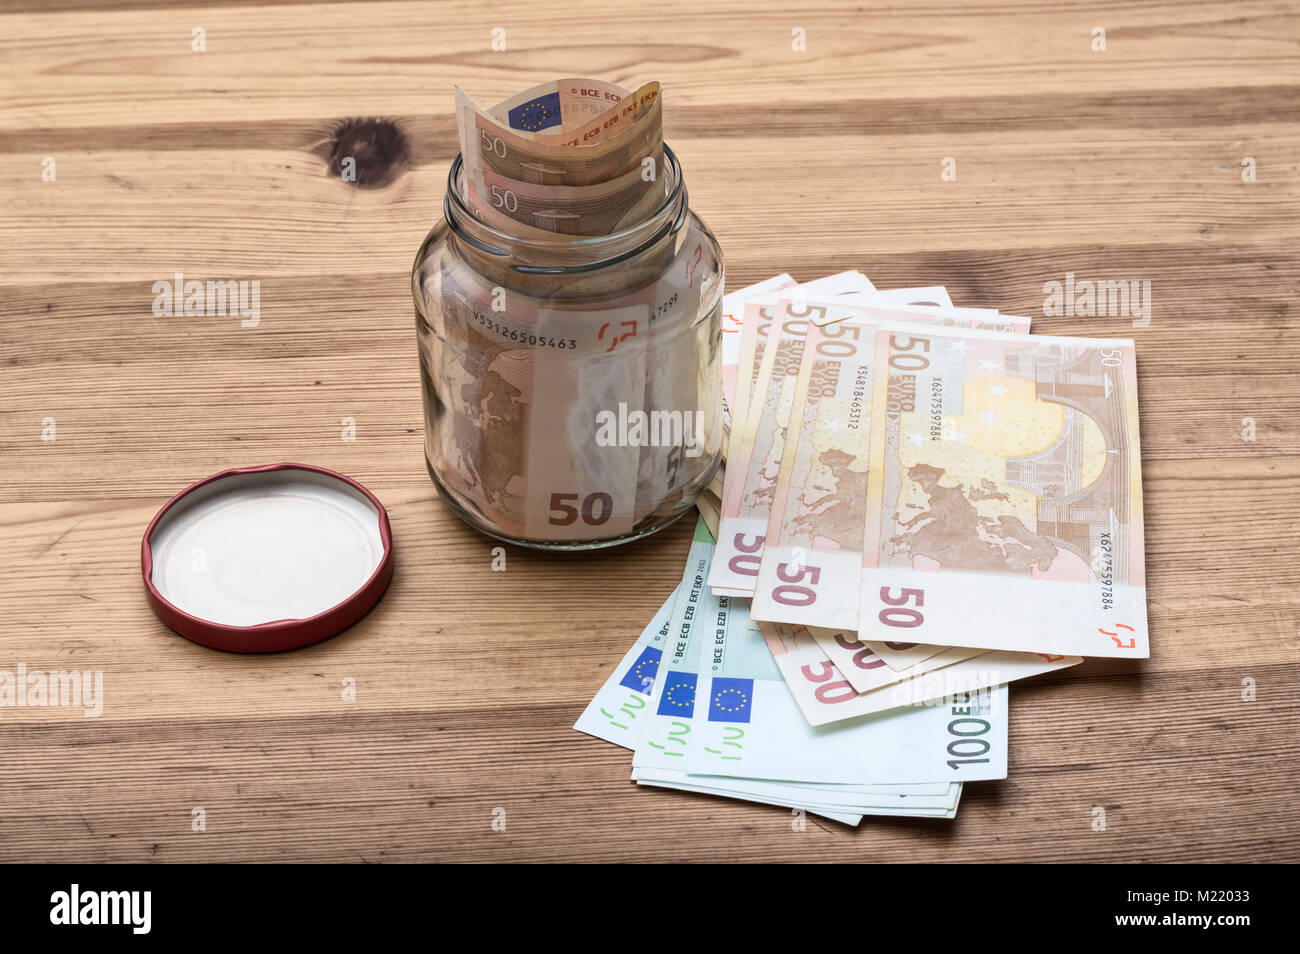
(730, 699)
(679, 695)
(641, 677)
(540, 113)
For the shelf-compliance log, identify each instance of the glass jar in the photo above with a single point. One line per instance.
(572, 386)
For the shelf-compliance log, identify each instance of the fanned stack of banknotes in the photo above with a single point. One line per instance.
(921, 504)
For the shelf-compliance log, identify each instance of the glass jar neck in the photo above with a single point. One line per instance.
(566, 254)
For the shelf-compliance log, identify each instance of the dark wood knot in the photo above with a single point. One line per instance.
(378, 149)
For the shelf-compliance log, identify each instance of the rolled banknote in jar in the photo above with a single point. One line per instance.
(572, 381)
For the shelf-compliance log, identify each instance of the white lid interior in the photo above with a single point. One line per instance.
(257, 547)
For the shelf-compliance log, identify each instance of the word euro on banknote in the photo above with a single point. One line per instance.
(733, 323)
(845, 286)
(756, 324)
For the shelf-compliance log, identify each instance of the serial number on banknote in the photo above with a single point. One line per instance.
(663, 308)
(524, 337)
(858, 395)
(1106, 571)
(936, 410)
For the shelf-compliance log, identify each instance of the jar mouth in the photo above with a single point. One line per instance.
(598, 251)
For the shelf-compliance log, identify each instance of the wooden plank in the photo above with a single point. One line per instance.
(1207, 781)
(466, 629)
(268, 61)
(1013, 192)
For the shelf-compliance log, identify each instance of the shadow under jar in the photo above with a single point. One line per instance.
(572, 387)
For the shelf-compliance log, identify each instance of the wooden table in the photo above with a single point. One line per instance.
(1125, 164)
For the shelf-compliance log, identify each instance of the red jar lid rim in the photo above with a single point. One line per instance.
(264, 559)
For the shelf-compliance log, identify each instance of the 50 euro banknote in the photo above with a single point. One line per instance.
(831, 686)
(759, 456)
(810, 565)
(748, 312)
(1004, 498)
(758, 313)
(571, 111)
(574, 156)
(733, 324)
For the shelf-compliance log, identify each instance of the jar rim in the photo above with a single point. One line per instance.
(667, 218)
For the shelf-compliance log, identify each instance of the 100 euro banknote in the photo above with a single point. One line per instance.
(616, 712)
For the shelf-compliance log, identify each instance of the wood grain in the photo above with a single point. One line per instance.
(1117, 165)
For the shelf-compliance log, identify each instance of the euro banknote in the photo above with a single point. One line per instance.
(519, 382)
(902, 655)
(565, 103)
(759, 310)
(930, 795)
(825, 693)
(617, 710)
(733, 323)
(810, 559)
(720, 706)
(987, 464)
(864, 668)
(843, 805)
(576, 157)
(759, 455)
(521, 366)
(1004, 502)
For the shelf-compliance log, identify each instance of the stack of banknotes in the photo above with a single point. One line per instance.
(567, 157)
(920, 505)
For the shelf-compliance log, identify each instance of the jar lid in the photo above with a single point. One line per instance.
(263, 559)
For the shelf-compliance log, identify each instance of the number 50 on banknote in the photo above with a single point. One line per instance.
(1004, 498)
